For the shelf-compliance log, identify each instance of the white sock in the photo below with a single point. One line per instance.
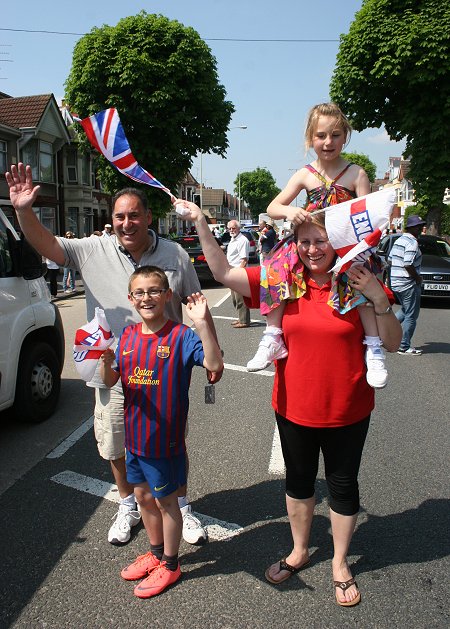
(182, 501)
(273, 331)
(373, 341)
(130, 501)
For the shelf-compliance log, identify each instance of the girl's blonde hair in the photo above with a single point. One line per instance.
(325, 109)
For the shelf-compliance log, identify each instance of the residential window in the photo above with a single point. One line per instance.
(71, 162)
(6, 267)
(86, 170)
(72, 220)
(3, 157)
(30, 156)
(88, 221)
(39, 155)
(46, 162)
(48, 218)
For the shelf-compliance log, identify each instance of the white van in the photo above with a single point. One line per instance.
(31, 331)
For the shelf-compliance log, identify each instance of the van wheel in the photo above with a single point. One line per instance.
(38, 383)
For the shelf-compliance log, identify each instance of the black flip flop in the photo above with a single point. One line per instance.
(285, 566)
(344, 585)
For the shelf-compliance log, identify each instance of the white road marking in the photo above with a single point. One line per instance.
(89, 485)
(263, 372)
(220, 302)
(217, 529)
(71, 439)
(276, 463)
(234, 319)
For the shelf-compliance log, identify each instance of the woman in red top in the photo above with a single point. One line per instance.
(321, 397)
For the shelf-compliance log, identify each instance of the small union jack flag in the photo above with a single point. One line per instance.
(105, 132)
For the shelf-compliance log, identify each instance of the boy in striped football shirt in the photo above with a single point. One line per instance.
(154, 362)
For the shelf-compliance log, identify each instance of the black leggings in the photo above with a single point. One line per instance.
(341, 448)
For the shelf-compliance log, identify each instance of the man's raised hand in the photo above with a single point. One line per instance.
(21, 190)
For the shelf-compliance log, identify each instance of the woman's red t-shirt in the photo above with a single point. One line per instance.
(322, 383)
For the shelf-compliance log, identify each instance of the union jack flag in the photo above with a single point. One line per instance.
(105, 132)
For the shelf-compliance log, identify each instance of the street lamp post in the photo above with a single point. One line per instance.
(239, 198)
(201, 181)
(296, 198)
(242, 126)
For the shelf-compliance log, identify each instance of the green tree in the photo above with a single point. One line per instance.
(162, 78)
(362, 160)
(393, 68)
(257, 189)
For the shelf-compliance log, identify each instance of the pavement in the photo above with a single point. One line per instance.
(79, 290)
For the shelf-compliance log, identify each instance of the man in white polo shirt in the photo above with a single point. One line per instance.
(237, 255)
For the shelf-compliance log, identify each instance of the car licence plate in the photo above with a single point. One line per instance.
(436, 287)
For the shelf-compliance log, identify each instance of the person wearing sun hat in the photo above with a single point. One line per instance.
(107, 231)
(405, 259)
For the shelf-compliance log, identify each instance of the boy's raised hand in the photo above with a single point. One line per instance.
(196, 307)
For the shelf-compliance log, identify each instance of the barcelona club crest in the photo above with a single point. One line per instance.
(163, 351)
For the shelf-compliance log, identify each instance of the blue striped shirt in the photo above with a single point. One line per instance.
(405, 252)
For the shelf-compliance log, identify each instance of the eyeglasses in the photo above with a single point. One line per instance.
(155, 293)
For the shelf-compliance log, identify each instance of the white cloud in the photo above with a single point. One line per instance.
(380, 138)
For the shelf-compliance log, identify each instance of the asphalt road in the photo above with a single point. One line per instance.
(57, 569)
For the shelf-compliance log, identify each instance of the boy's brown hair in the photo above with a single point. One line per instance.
(149, 271)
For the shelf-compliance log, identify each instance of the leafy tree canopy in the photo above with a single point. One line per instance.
(162, 78)
(362, 160)
(257, 189)
(393, 68)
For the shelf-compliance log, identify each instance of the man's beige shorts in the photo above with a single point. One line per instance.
(109, 427)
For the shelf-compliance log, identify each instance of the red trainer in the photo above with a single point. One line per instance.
(143, 565)
(157, 581)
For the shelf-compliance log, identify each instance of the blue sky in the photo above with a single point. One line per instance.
(271, 84)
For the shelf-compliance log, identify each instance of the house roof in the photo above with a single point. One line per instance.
(189, 179)
(24, 111)
(404, 169)
(213, 196)
(377, 184)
